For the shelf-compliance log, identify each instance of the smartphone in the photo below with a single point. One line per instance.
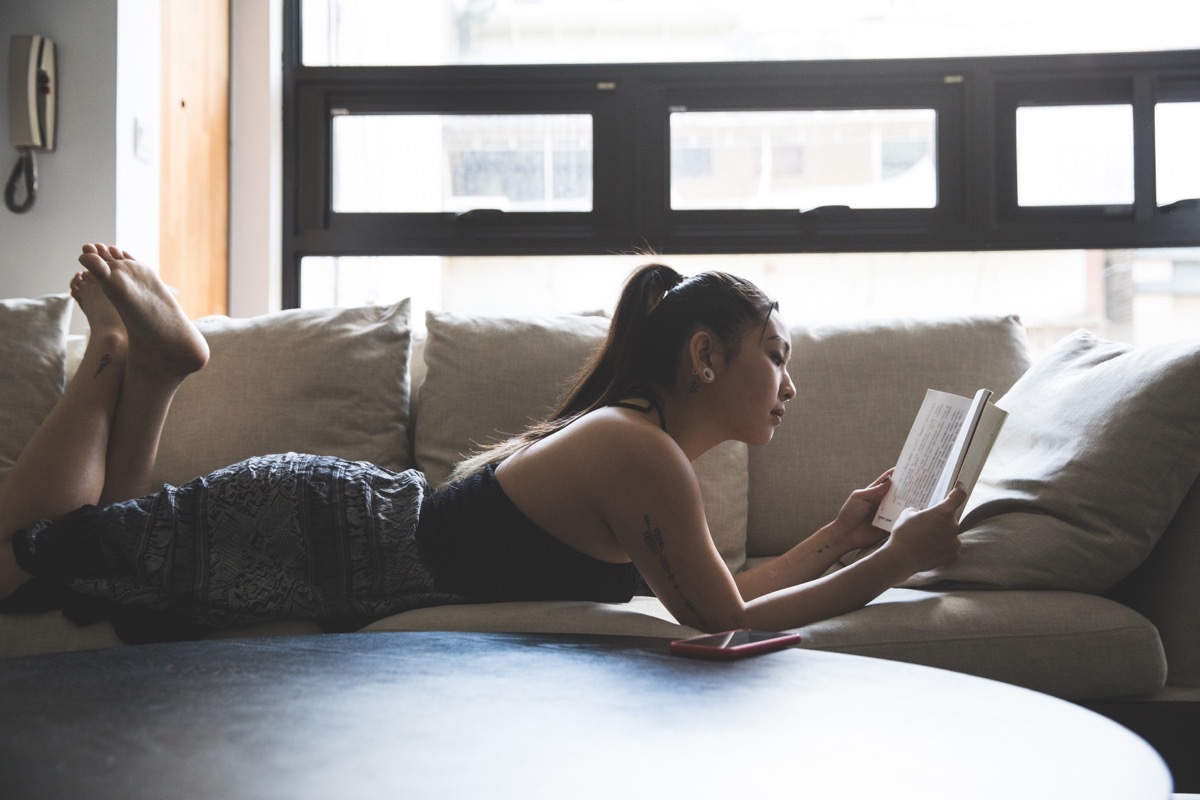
(733, 644)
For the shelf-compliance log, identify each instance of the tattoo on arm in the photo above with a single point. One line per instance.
(105, 360)
(654, 543)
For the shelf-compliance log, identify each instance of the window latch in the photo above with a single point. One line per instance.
(1191, 203)
(825, 211)
(479, 213)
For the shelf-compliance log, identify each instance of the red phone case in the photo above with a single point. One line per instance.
(731, 645)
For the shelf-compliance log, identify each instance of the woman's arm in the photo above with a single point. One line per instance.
(920, 540)
(812, 557)
(654, 507)
(651, 500)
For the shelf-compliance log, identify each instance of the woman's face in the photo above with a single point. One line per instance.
(754, 385)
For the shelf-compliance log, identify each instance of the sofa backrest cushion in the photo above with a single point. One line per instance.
(33, 336)
(489, 377)
(1166, 590)
(328, 381)
(1101, 445)
(858, 390)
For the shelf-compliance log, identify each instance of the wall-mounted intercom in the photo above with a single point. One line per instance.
(32, 94)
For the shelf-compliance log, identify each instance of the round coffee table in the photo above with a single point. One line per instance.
(446, 715)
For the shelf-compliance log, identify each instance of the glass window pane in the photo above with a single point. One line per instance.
(804, 159)
(432, 32)
(434, 163)
(1177, 151)
(1139, 296)
(1075, 155)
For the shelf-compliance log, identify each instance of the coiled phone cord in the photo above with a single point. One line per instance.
(27, 166)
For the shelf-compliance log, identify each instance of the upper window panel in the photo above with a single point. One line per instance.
(414, 163)
(795, 159)
(447, 32)
(1176, 154)
(1075, 155)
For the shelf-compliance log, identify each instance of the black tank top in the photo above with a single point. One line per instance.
(651, 405)
(478, 544)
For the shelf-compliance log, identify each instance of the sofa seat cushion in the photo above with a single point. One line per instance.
(642, 616)
(51, 632)
(1075, 646)
(1068, 644)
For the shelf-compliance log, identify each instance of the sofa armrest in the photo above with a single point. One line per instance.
(1166, 590)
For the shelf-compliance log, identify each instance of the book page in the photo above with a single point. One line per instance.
(961, 449)
(990, 422)
(936, 430)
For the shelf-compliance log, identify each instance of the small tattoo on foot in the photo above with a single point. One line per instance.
(105, 360)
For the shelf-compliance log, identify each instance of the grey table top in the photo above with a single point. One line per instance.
(444, 715)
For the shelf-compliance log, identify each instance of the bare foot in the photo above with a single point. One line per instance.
(101, 315)
(107, 339)
(162, 339)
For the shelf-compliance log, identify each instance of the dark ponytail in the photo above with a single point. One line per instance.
(656, 315)
(615, 368)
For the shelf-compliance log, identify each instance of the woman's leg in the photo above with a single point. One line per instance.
(100, 440)
(62, 466)
(164, 348)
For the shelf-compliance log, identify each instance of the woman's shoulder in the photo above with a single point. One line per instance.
(630, 436)
(605, 445)
(627, 421)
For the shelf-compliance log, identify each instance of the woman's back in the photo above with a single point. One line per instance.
(572, 482)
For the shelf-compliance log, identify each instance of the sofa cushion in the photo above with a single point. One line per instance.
(1166, 589)
(1101, 445)
(643, 616)
(1066, 644)
(489, 377)
(331, 382)
(981, 633)
(858, 390)
(33, 337)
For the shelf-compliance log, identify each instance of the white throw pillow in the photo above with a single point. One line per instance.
(1101, 445)
(489, 377)
(33, 337)
(329, 381)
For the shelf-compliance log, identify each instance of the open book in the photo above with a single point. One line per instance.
(949, 441)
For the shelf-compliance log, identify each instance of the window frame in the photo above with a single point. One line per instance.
(974, 98)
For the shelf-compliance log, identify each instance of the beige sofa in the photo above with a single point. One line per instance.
(1091, 493)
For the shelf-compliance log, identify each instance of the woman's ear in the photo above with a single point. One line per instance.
(701, 351)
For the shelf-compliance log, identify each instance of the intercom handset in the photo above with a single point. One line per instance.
(32, 106)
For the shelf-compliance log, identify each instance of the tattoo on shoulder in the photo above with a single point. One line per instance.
(653, 538)
(105, 360)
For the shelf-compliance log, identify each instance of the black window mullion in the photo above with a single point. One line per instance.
(975, 102)
(982, 141)
(1144, 179)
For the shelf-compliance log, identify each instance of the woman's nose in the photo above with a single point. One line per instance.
(789, 388)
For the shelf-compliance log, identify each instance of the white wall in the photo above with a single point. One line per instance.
(76, 198)
(138, 103)
(255, 157)
(95, 187)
